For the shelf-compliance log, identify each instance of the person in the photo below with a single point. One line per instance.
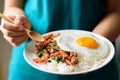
(99, 16)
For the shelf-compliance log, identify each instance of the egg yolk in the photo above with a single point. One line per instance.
(87, 42)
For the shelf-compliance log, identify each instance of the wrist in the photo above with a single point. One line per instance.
(14, 11)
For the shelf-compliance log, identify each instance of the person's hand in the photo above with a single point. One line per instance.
(14, 32)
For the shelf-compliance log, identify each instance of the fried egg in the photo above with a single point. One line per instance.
(89, 46)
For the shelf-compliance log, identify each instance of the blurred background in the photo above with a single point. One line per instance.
(5, 52)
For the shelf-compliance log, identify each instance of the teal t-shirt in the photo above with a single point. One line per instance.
(51, 15)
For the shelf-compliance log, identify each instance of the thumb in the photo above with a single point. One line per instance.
(19, 22)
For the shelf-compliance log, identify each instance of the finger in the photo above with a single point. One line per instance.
(27, 25)
(11, 17)
(13, 33)
(9, 26)
(22, 20)
(23, 40)
(15, 41)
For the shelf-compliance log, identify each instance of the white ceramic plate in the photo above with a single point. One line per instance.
(29, 53)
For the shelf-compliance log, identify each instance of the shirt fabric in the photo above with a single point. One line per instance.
(51, 15)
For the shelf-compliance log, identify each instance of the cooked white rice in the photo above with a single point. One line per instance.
(83, 65)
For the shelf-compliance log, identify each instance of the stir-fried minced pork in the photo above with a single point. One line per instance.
(49, 50)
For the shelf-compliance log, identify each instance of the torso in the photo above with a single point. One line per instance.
(50, 15)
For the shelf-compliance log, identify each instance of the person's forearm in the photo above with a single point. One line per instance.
(13, 7)
(109, 26)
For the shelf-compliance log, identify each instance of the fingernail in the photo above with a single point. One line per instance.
(20, 28)
(17, 22)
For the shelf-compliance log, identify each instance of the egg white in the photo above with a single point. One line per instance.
(68, 42)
